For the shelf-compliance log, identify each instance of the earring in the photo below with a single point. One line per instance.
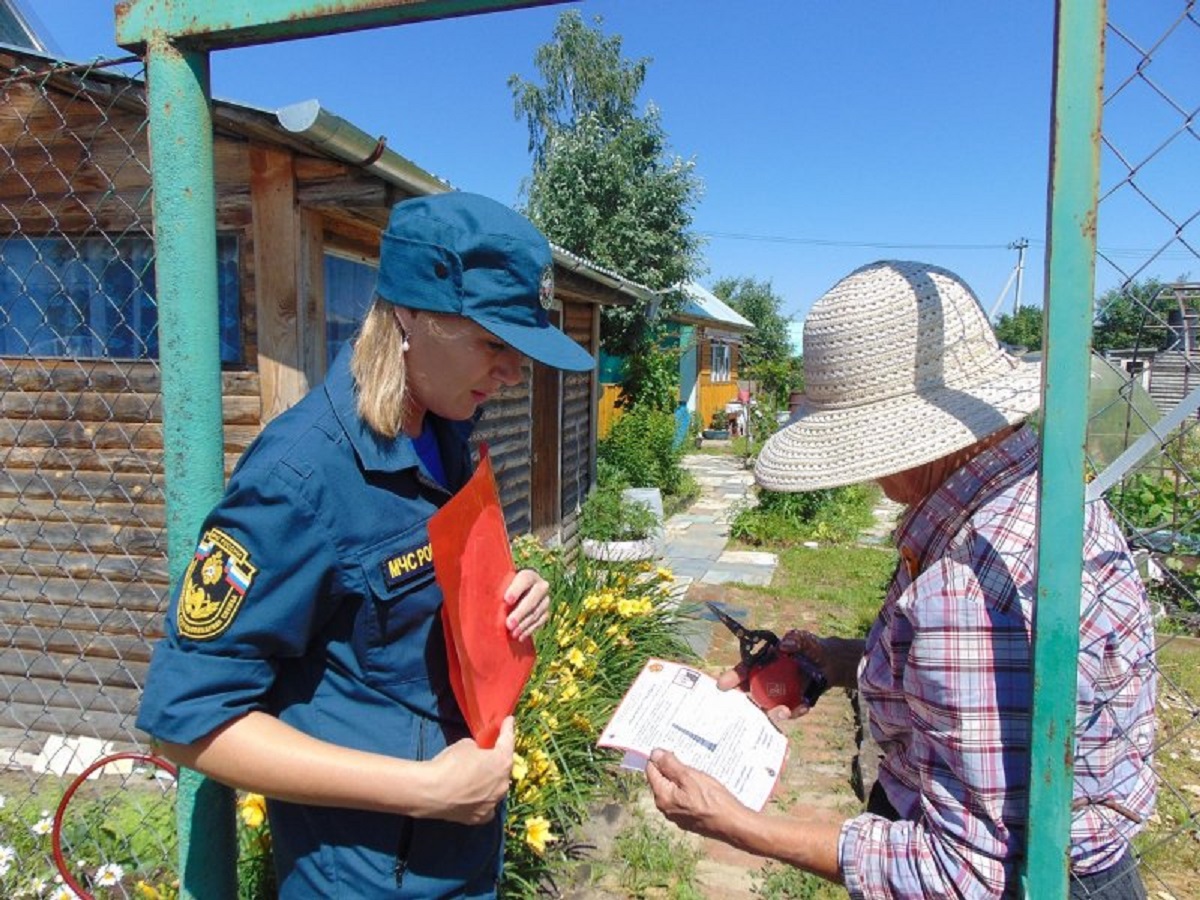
(404, 345)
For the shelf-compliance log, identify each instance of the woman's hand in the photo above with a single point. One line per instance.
(472, 781)
(693, 800)
(528, 598)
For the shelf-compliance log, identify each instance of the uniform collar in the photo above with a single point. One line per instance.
(375, 452)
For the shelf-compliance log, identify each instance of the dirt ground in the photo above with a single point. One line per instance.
(816, 776)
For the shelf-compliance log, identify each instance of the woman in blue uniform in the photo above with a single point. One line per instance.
(304, 657)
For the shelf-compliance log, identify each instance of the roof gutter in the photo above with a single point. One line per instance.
(339, 138)
(350, 143)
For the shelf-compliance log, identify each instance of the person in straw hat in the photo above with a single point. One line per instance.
(905, 385)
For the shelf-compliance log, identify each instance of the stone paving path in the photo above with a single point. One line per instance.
(695, 539)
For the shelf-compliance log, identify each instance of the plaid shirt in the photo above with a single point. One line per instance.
(946, 679)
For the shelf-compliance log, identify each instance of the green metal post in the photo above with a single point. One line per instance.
(215, 25)
(1070, 281)
(185, 241)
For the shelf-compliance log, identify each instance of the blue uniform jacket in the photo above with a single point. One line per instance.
(312, 596)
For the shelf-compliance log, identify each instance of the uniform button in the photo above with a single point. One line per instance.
(440, 270)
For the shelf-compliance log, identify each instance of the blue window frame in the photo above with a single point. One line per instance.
(349, 288)
(94, 297)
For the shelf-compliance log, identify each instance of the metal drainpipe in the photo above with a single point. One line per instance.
(1070, 280)
(185, 240)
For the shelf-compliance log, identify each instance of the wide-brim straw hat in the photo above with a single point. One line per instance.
(901, 368)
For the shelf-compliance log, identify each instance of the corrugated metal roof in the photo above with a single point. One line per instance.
(17, 28)
(704, 307)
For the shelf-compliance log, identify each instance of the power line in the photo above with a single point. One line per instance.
(1123, 252)
(780, 239)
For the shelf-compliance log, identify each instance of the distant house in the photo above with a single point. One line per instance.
(708, 334)
(796, 337)
(301, 198)
(1168, 365)
(710, 338)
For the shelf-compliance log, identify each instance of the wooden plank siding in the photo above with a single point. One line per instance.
(1173, 375)
(579, 421)
(608, 412)
(505, 427)
(83, 568)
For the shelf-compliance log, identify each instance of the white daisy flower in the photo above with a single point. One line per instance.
(43, 826)
(109, 874)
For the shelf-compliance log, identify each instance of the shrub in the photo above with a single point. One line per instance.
(642, 447)
(606, 515)
(833, 515)
(1161, 513)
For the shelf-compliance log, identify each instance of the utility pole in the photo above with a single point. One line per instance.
(1019, 245)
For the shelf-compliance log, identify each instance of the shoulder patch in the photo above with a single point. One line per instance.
(214, 586)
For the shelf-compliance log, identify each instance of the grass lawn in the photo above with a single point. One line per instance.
(1170, 847)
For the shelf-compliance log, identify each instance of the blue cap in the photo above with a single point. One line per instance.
(470, 256)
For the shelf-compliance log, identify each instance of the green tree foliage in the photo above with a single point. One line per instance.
(1022, 328)
(585, 78)
(1133, 316)
(766, 351)
(604, 184)
(652, 376)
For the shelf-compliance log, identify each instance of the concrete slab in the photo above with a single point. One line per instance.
(748, 557)
(759, 577)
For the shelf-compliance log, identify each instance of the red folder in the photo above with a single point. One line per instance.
(473, 562)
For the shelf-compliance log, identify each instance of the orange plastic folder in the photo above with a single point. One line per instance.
(473, 562)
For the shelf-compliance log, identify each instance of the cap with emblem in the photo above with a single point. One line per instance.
(471, 256)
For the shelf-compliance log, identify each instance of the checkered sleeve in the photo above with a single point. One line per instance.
(963, 662)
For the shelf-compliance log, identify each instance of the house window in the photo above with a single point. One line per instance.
(94, 297)
(719, 366)
(349, 287)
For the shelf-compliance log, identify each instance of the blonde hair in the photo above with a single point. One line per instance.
(379, 369)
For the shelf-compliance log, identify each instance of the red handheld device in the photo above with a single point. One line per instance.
(773, 677)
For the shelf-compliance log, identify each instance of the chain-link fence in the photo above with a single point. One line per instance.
(83, 573)
(1145, 324)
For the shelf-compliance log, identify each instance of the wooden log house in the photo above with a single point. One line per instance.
(83, 572)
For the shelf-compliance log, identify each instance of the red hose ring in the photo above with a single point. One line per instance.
(56, 832)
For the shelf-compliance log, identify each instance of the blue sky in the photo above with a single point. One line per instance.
(827, 134)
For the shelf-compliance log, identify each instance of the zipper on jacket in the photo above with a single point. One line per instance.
(404, 845)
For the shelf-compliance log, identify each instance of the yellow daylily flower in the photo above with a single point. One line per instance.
(520, 768)
(538, 834)
(253, 809)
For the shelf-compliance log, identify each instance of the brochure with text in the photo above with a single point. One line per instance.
(722, 733)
